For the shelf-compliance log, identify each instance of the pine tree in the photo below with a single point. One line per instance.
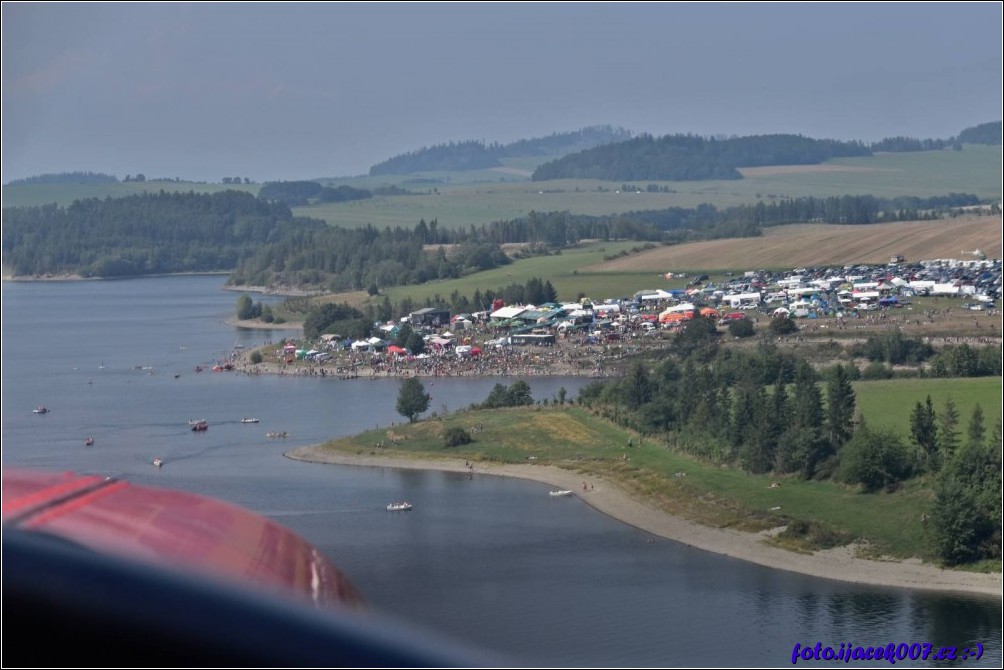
(923, 430)
(948, 434)
(807, 421)
(637, 387)
(839, 408)
(977, 431)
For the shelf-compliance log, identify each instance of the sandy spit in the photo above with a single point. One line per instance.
(606, 496)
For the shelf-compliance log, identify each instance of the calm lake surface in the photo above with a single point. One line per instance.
(491, 562)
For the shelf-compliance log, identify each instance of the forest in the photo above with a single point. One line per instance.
(152, 233)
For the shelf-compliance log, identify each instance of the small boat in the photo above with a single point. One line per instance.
(560, 492)
(399, 507)
(198, 368)
(89, 442)
(277, 434)
(158, 462)
(249, 420)
(199, 426)
(41, 409)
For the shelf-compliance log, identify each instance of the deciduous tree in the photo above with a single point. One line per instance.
(412, 399)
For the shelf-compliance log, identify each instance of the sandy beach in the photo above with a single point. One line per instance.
(607, 497)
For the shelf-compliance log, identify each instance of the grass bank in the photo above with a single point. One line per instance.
(571, 438)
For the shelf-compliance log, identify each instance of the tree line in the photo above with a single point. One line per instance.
(692, 157)
(300, 193)
(67, 178)
(262, 243)
(149, 233)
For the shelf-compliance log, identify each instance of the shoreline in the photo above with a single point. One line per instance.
(255, 324)
(608, 497)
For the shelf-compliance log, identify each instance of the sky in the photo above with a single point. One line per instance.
(288, 91)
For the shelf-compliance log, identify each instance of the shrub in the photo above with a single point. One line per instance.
(456, 436)
(741, 328)
(874, 458)
(256, 357)
(876, 371)
(782, 325)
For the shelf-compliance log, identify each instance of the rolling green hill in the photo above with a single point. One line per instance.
(459, 199)
(976, 170)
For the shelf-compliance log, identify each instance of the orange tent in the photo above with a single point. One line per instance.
(709, 311)
(674, 317)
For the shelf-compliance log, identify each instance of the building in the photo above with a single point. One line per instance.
(433, 317)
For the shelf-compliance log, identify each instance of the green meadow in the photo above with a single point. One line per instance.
(887, 403)
(568, 273)
(572, 438)
(63, 195)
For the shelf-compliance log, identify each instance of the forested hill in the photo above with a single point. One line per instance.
(561, 144)
(143, 234)
(691, 158)
(985, 133)
(475, 155)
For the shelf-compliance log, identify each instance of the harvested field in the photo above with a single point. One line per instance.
(771, 170)
(823, 244)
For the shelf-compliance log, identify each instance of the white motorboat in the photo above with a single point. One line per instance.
(560, 492)
(399, 507)
(249, 420)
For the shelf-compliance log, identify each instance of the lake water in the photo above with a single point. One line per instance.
(492, 562)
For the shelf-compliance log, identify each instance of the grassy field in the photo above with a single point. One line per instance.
(34, 195)
(888, 403)
(574, 439)
(975, 170)
(465, 198)
(564, 271)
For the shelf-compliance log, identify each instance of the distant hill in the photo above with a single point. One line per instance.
(475, 155)
(68, 178)
(985, 133)
(692, 158)
(561, 144)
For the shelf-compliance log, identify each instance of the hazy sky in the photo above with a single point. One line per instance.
(274, 91)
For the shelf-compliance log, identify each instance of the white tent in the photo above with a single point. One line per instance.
(682, 307)
(658, 295)
(507, 312)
